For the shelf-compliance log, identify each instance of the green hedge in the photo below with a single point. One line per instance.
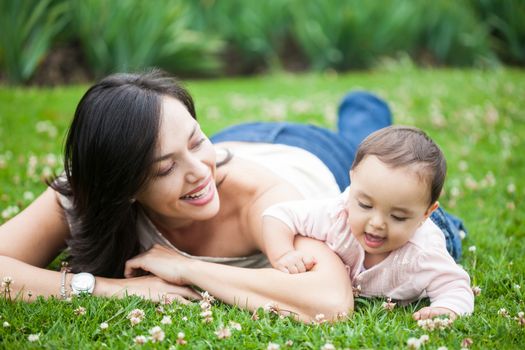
(210, 37)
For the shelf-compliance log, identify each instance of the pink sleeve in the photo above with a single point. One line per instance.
(446, 284)
(310, 218)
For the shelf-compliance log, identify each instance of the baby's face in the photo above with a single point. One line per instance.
(386, 205)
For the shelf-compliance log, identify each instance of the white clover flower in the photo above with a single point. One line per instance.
(424, 339)
(319, 318)
(80, 311)
(413, 343)
(157, 334)
(328, 346)
(388, 305)
(223, 332)
(46, 127)
(205, 305)
(10, 211)
(503, 312)
(273, 346)
(206, 297)
(166, 320)
(207, 313)
(28, 196)
(271, 307)
(138, 313)
(135, 321)
(50, 159)
(33, 337)
(517, 287)
(467, 342)
(289, 342)
(140, 339)
(184, 318)
(476, 290)
(472, 248)
(235, 325)
(6, 324)
(511, 188)
(180, 338)
(104, 325)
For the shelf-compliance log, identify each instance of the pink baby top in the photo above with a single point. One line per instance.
(420, 268)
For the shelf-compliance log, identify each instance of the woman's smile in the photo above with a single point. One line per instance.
(201, 195)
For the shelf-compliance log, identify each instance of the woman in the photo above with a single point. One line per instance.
(139, 172)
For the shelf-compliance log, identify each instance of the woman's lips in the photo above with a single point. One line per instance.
(201, 195)
(198, 189)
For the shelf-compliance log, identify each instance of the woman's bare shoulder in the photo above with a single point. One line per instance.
(38, 233)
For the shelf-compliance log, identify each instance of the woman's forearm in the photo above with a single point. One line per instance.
(324, 290)
(30, 281)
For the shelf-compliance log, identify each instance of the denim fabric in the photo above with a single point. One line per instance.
(334, 151)
(359, 114)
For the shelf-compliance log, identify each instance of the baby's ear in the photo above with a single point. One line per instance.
(431, 209)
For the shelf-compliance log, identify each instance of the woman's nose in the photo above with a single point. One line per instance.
(196, 170)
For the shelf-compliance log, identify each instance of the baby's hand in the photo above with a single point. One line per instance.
(431, 312)
(295, 262)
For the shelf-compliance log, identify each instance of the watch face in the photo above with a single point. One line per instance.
(83, 281)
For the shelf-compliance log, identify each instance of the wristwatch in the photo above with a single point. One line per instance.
(82, 282)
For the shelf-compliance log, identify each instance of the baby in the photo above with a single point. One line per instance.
(380, 226)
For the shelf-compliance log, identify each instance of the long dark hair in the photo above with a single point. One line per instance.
(108, 155)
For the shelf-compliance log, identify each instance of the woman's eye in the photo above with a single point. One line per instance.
(198, 143)
(364, 206)
(166, 172)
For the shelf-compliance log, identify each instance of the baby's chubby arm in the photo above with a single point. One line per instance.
(446, 284)
(278, 244)
(282, 221)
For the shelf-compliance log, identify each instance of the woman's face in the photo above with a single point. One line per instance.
(182, 188)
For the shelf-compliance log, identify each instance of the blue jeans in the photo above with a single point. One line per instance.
(359, 114)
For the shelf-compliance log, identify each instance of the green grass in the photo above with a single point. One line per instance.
(476, 116)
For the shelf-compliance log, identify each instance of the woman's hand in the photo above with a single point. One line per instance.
(161, 261)
(149, 287)
(431, 312)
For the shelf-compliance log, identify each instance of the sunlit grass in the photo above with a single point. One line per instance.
(476, 117)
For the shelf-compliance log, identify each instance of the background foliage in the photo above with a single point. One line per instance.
(212, 37)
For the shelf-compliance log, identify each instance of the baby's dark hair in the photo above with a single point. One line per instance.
(399, 146)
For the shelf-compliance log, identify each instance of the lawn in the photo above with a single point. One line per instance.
(475, 116)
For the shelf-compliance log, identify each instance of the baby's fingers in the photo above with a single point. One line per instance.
(309, 262)
(431, 312)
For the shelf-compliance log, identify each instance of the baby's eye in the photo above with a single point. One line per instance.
(399, 218)
(363, 205)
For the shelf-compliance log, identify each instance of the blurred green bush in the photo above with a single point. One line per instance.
(216, 37)
(27, 29)
(128, 35)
